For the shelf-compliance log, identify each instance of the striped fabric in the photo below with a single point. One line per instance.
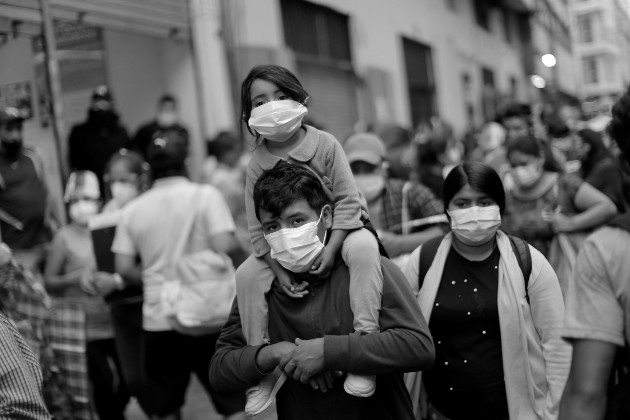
(20, 377)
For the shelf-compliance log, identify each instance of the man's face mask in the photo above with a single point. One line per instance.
(296, 248)
(278, 120)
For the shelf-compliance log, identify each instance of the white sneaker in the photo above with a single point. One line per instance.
(260, 397)
(359, 385)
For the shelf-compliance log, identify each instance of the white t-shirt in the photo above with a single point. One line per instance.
(151, 226)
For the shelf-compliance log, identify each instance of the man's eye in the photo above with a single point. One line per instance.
(270, 228)
(297, 222)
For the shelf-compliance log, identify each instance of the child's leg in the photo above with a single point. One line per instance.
(253, 280)
(360, 253)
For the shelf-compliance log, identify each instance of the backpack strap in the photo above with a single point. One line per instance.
(427, 255)
(524, 258)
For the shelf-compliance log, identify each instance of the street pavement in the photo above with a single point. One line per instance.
(198, 407)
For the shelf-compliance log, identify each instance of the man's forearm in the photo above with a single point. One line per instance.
(132, 275)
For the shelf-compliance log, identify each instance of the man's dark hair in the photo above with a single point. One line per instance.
(517, 111)
(480, 177)
(619, 126)
(167, 153)
(167, 98)
(284, 184)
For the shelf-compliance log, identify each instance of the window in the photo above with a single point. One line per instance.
(488, 94)
(585, 28)
(482, 13)
(421, 83)
(589, 67)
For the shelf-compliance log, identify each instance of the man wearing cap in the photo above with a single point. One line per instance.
(393, 204)
(24, 205)
(94, 141)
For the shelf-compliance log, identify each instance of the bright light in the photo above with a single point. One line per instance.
(549, 60)
(538, 81)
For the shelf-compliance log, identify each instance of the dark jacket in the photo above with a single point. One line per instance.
(403, 344)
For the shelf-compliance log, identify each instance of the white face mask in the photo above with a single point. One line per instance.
(166, 119)
(123, 192)
(527, 175)
(82, 210)
(278, 120)
(475, 225)
(371, 185)
(296, 248)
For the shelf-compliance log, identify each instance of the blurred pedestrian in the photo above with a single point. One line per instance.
(517, 121)
(147, 237)
(166, 117)
(398, 145)
(494, 309)
(273, 106)
(25, 204)
(394, 205)
(94, 141)
(597, 166)
(126, 177)
(598, 309)
(69, 276)
(550, 210)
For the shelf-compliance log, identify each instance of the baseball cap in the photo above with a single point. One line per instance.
(365, 147)
(101, 93)
(9, 114)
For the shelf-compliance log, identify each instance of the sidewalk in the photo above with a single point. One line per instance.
(198, 407)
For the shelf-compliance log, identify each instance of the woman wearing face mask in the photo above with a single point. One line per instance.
(543, 204)
(498, 351)
(273, 105)
(69, 276)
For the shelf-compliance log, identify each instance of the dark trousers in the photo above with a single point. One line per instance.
(127, 323)
(110, 391)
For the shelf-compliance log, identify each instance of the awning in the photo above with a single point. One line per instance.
(163, 18)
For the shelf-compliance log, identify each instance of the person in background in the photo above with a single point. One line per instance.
(397, 141)
(391, 202)
(26, 215)
(69, 274)
(313, 338)
(94, 141)
(437, 152)
(597, 320)
(126, 177)
(166, 117)
(544, 203)
(149, 231)
(517, 121)
(597, 166)
(499, 354)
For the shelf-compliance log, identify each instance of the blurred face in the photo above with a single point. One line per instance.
(123, 184)
(101, 105)
(515, 127)
(527, 170)
(11, 138)
(363, 168)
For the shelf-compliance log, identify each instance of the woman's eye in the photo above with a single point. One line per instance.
(486, 203)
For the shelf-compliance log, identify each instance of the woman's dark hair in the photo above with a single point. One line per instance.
(532, 146)
(619, 126)
(597, 152)
(480, 177)
(278, 75)
(285, 183)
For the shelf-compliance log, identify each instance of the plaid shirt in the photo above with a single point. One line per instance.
(422, 203)
(20, 377)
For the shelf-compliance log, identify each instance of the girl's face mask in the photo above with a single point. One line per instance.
(278, 120)
(123, 192)
(82, 210)
(475, 225)
(526, 176)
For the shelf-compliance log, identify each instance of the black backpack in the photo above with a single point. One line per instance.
(519, 246)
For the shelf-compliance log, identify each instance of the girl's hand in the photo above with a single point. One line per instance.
(290, 287)
(104, 283)
(324, 262)
(87, 283)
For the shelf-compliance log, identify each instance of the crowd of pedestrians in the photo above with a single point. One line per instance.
(393, 273)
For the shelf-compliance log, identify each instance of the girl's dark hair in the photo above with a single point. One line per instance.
(279, 187)
(532, 146)
(597, 152)
(278, 75)
(619, 126)
(133, 161)
(480, 177)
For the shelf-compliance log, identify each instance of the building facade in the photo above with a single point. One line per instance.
(601, 36)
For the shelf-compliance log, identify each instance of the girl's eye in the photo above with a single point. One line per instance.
(486, 203)
(258, 103)
(462, 204)
(283, 97)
